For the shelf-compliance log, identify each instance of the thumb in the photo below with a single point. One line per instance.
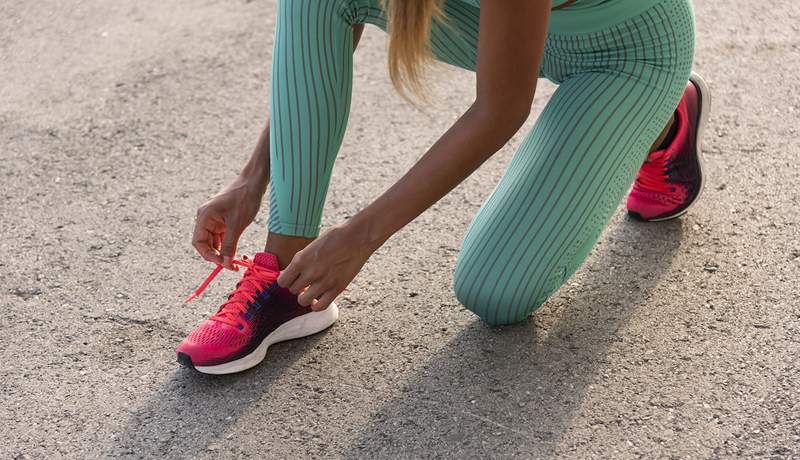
(228, 249)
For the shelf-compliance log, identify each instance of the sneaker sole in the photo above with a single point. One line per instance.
(705, 108)
(302, 326)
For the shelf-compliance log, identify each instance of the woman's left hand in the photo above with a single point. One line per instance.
(324, 268)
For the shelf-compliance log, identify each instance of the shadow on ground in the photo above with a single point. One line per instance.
(487, 392)
(191, 412)
(514, 390)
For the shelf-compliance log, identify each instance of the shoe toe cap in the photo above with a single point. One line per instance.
(210, 343)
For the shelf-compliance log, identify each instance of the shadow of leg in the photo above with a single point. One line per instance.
(513, 390)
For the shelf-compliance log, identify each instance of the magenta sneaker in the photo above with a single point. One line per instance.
(257, 314)
(671, 180)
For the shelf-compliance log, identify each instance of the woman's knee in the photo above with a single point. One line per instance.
(494, 305)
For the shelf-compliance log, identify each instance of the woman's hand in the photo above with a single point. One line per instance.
(222, 219)
(324, 268)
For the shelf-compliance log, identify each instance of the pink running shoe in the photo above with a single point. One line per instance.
(257, 314)
(671, 180)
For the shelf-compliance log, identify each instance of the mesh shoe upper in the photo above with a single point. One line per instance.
(253, 310)
(669, 180)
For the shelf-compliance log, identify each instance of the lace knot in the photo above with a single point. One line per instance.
(247, 290)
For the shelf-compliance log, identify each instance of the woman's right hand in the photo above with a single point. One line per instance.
(222, 219)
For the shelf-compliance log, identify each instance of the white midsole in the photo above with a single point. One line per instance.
(295, 328)
(705, 109)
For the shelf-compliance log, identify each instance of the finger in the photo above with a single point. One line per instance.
(289, 274)
(228, 249)
(201, 240)
(301, 294)
(301, 282)
(203, 236)
(310, 294)
(324, 301)
(208, 254)
(217, 241)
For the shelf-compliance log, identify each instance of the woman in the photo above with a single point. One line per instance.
(622, 67)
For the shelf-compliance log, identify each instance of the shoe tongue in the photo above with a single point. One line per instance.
(266, 260)
(262, 259)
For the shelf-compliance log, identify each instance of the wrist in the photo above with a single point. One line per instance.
(253, 178)
(367, 231)
(250, 186)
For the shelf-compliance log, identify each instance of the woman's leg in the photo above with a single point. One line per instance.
(572, 170)
(311, 80)
(312, 65)
(312, 73)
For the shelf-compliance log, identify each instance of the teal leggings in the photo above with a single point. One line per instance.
(621, 67)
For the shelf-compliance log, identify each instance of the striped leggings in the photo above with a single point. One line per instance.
(621, 67)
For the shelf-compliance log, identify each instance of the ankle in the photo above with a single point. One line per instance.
(285, 246)
(667, 135)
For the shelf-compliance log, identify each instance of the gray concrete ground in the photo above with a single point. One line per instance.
(118, 118)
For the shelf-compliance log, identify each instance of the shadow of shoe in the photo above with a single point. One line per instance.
(512, 391)
(191, 411)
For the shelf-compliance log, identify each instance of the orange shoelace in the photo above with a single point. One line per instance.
(254, 279)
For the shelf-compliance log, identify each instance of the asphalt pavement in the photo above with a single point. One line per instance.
(117, 119)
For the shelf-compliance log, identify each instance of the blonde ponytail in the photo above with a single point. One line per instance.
(409, 25)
